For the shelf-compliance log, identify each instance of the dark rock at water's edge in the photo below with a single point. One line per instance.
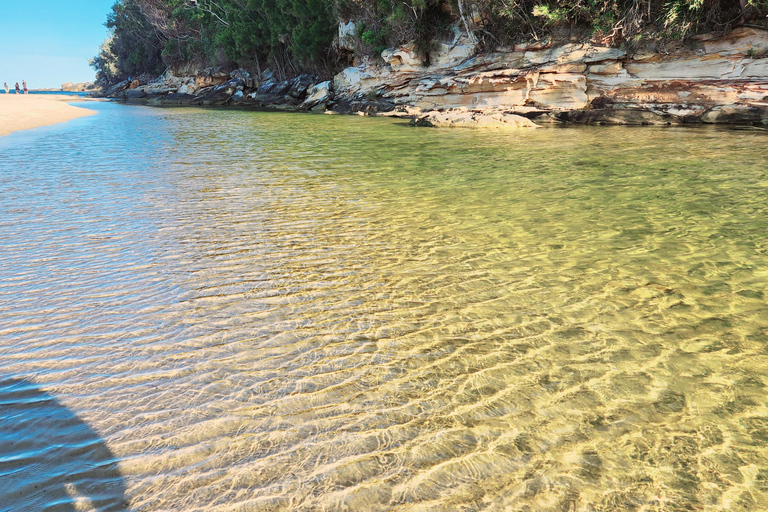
(627, 116)
(289, 93)
(134, 94)
(115, 90)
(713, 80)
(722, 114)
(737, 114)
(239, 88)
(363, 106)
(174, 99)
(220, 94)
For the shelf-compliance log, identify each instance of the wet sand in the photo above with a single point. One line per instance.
(26, 111)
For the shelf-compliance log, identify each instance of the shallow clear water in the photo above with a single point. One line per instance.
(216, 310)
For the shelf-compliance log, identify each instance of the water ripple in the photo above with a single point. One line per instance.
(259, 311)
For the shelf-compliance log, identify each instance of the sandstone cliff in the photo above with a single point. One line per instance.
(713, 80)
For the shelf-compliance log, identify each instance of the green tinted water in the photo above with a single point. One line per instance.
(285, 312)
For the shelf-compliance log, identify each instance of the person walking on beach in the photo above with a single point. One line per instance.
(7, 89)
(17, 87)
(24, 86)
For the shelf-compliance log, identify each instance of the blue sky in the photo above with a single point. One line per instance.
(49, 42)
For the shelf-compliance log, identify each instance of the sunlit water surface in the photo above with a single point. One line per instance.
(285, 312)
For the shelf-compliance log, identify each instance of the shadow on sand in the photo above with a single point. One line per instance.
(50, 460)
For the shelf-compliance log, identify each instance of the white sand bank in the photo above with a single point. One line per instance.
(25, 111)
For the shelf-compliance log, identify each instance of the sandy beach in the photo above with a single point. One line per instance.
(26, 111)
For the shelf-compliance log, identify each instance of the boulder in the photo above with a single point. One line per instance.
(116, 89)
(287, 92)
(220, 94)
(271, 88)
(243, 76)
(470, 119)
(318, 97)
(209, 80)
(300, 86)
(134, 94)
(736, 114)
(164, 84)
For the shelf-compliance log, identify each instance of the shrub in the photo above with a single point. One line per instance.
(297, 35)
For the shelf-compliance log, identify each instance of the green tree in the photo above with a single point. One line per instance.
(136, 44)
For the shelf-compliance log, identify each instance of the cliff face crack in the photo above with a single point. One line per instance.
(737, 71)
(531, 81)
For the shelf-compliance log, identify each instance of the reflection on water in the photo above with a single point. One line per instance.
(49, 458)
(286, 312)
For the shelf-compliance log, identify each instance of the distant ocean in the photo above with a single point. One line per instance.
(68, 93)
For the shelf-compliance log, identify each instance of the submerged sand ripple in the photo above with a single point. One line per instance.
(254, 319)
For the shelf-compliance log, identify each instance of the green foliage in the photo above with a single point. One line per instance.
(297, 35)
(312, 29)
(373, 40)
(150, 34)
(389, 23)
(611, 21)
(551, 15)
(134, 48)
(289, 34)
(105, 63)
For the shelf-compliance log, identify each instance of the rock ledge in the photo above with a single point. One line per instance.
(722, 80)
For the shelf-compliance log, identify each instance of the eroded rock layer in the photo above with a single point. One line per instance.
(721, 80)
(715, 80)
